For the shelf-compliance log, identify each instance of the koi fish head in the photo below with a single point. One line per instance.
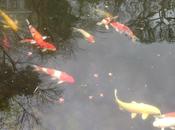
(90, 39)
(66, 78)
(164, 122)
(156, 123)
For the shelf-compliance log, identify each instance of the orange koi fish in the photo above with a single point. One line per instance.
(38, 39)
(9, 22)
(55, 74)
(123, 29)
(87, 36)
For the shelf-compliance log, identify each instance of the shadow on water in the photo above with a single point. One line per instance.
(151, 21)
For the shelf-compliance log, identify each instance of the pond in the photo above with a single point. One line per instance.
(141, 71)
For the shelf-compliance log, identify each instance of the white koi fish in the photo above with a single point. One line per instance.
(164, 122)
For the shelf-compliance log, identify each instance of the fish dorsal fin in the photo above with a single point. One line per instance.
(45, 37)
(144, 116)
(133, 115)
(44, 50)
(59, 82)
(6, 26)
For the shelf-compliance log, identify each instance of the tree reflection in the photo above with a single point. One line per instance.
(20, 106)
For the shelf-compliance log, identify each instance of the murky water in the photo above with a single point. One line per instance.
(141, 71)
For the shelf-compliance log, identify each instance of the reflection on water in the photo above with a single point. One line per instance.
(151, 21)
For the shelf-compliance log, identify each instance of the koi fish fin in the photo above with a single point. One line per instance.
(99, 23)
(133, 102)
(115, 94)
(60, 82)
(28, 40)
(35, 89)
(6, 26)
(36, 68)
(45, 37)
(144, 116)
(117, 100)
(107, 27)
(173, 128)
(27, 21)
(115, 17)
(75, 29)
(44, 50)
(133, 115)
(16, 21)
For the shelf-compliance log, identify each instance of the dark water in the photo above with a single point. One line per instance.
(142, 72)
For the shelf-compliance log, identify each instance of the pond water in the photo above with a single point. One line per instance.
(141, 71)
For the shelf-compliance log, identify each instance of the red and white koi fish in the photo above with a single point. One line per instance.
(55, 74)
(123, 29)
(87, 36)
(164, 122)
(38, 39)
(5, 41)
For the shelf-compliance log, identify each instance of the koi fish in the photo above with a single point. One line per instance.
(164, 122)
(137, 108)
(55, 74)
(87, 36)
(9, 23)
(38, 39)
(123, 29)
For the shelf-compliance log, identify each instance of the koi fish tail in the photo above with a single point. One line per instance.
(99, 23)
(27, 21)
(36, 68)
(115, 94)
(75, 29)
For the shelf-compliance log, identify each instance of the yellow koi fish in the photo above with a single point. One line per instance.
(88, 36)
(9, 22)
(137, 108)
